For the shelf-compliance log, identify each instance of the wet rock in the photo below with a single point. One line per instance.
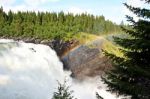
(87, 60)
(61, 47)
(29, 40)
(37, 41)
(46, 42)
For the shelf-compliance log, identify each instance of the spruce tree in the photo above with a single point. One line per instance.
(63, 92)
(131, 73)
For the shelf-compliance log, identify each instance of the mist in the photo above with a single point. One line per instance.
(32, 71)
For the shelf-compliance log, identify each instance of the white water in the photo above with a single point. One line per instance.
(30, 71)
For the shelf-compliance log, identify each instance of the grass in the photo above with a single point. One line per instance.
(112, 48)
(108, 45)
(85, 37)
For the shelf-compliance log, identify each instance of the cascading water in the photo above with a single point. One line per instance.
(30, 71)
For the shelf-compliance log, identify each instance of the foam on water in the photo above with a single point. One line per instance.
(31, 71)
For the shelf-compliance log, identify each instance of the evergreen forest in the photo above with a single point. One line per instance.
(51, 25)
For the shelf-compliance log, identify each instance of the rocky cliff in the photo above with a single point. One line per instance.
(61, 47)
(87, 60)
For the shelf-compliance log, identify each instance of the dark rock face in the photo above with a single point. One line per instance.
(86, 61)
(79, 56)
(60, 46)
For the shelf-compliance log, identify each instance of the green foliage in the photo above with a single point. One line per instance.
(52, 25)
(84, 38)
(112, 48)
(63, 92)
(131, 73)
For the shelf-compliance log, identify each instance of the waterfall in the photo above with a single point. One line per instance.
(31, 71)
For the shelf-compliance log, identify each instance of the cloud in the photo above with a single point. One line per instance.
(26, 2)
(24, 7)
(77, 10)
(7, 2)
(38, 2)
(113, 13)
(134, 3)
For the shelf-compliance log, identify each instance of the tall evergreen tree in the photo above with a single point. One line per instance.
(131, 73)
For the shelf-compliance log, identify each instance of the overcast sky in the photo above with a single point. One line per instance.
(111, 9)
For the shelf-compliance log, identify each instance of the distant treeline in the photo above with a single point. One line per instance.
(51, 25)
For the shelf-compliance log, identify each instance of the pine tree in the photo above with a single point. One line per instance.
(131, 73)
(63, 92)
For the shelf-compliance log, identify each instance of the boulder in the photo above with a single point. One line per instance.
(29, 40)
(87, 61)
(62, 47)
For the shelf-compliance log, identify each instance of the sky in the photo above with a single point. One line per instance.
(112, 9)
